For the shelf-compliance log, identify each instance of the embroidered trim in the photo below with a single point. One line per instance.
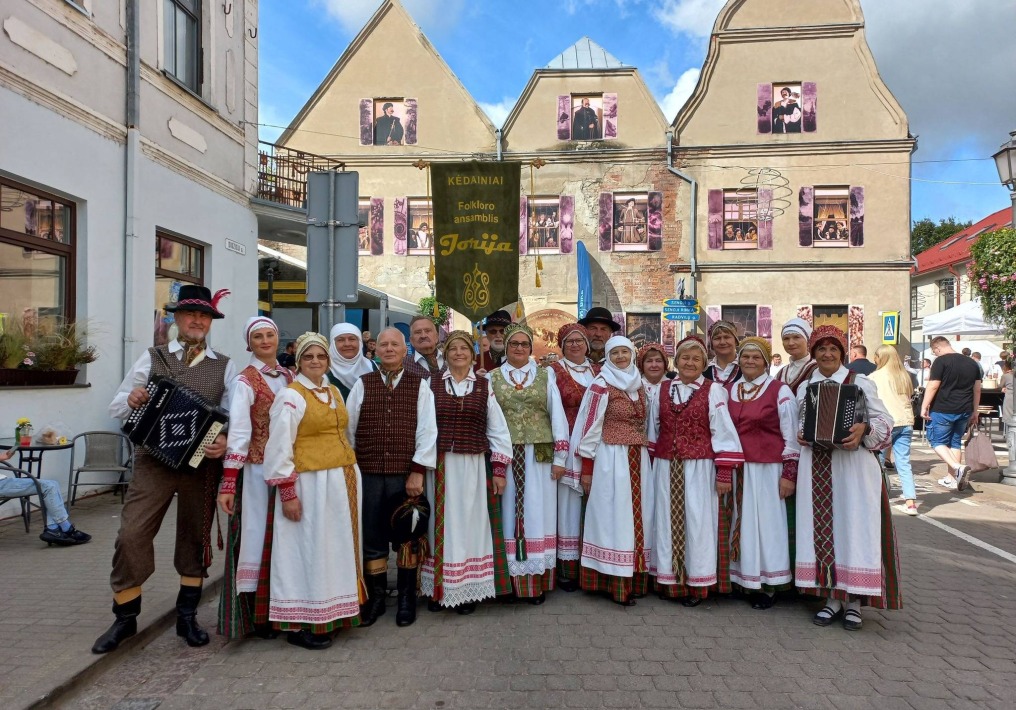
(497, 457)
(287, 490)
(560, 445)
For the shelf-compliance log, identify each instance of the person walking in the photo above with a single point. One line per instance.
(895, 387)
(859, 361)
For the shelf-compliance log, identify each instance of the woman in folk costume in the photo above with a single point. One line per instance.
(846, 545)
(531, 404)
(243, 494)
(652, 363)
(618, 526)
(347, 361)
(764, 411)
(316, 584)
(696, 451)
(573, 373)
(723, 367)
(467, 558)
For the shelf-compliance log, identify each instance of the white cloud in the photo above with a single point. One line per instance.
(692, 17)
(432, 15)
(497, 113)
(673, 101)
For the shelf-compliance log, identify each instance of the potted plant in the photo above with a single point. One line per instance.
(39, 357)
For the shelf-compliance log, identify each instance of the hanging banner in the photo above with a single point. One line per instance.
(585, 278)
(476, 227)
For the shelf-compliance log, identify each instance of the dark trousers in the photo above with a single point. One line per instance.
(377, 491)
(148, 498)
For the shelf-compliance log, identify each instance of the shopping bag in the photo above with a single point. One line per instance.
(980, 454)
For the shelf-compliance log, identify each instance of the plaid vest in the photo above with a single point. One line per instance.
(263, 398)
(684, 428)
(461, 421)
(386, 431)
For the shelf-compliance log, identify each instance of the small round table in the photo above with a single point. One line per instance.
(30, 461)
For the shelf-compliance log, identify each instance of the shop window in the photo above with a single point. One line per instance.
(178, 261)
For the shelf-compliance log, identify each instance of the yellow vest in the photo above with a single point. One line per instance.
(321, 436)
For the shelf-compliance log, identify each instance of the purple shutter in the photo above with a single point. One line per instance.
(804, 313)
(809, 106)
(606, 220)
(564, 118)
(566, 224)
(765, 218)
(713, 314)
(410, 106)
(377, 226)
(765, 108)
(655, 221)
(715, 223)
(609, 116)
(857, 216)
(523, 225)
(855, 322)
(806, 218)
(619, 318)
(764, 322)
(366, 122)
(401, 225)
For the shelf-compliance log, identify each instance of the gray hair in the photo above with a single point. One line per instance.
(391, 329)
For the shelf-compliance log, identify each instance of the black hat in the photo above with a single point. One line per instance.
(598, 314)
(409, 517)
(498, 318)
(198, 298)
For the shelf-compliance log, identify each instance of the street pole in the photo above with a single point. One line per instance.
(1009, 474)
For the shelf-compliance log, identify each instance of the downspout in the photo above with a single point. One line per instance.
(693, 220)
(130, 178)
(498, 136)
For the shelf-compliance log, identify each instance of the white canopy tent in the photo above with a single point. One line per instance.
(964, 319)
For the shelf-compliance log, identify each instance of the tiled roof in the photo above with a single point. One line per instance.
(585, 54)
(956, 249)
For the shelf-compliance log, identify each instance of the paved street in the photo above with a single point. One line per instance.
(950, 647)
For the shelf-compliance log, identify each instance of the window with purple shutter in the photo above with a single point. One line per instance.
(564, 117)
(366, 121)
(765, 108)
(609, 116)
(805, 314)
(857, 216)
(765, 218)
(410, 127)
(523, 225)
(401, 208)
(855, 321)
(566, 228)
(806, 218)
(606, 220)
(654, 220)
(619, 318)
(715, 221)
(377, 226)
(809, 106)
(764, 321)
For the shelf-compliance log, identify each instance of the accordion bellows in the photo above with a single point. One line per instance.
(830, 409)
(175, 424)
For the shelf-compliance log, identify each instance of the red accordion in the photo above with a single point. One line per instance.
(830, 409)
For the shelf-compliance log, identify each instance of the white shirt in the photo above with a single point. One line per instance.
(721, 427)
(879, 419)
(422, 361)
(142, 370)
(426, 420)
(526, 375)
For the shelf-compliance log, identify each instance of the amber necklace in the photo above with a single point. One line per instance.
(518, 385)
(748, 393)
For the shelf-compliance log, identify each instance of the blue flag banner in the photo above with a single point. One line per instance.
(585, 277)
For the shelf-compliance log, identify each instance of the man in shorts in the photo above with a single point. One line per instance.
(950, 406)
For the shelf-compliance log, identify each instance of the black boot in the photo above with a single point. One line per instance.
(125, 626)
(186, 616)
(377, 590)
(406, 613)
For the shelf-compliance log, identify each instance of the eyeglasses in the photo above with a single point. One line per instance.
(520, 345)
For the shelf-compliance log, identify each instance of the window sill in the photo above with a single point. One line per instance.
(80, 8)
(19, 388)
(190, 92)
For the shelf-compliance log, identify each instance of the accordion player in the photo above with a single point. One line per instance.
(175, 425)
(830, 410)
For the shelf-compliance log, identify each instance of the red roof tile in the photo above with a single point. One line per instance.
(956, 249)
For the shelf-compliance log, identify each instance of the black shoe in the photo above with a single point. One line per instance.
(125, 626)
(568, 585)
(434, 606)
(890, 466)
(305, 639)
(405, 614)
(536, 601)
(465, 609)
(56, 536)
(852, 620)
(691, 601)
(186, 616)
(377, 590)
(629, 601)
(761, 600)
(826, 616)
(265, 631)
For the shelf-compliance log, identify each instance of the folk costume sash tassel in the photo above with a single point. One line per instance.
(735, 532)
(677, 519)
(354, 514)
(822, 502)
(519, 476)
(635, 471)
(439, 526)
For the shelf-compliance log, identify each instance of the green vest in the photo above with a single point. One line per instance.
(526, 412)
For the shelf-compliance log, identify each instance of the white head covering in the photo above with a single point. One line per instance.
(348, 370)
(629, 379)
(258, 323)
(797, 325)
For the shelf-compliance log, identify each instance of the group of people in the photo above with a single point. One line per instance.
(495, 477)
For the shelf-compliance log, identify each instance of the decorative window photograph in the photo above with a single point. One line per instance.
(631, 221)
(744, 317)
(787, 107)
(388, 121)
(832, 217)
(420, 221)
(587, 117)
(740, 219)
(549, 224)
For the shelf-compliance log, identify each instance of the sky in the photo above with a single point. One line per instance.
(948, 62)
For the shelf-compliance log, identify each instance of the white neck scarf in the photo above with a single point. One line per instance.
(348, 370)
(628, 380)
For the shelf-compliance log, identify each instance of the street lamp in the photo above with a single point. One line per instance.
(1005, 162)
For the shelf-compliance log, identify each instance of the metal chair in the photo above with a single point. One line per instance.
(105, 452)
(26, 508)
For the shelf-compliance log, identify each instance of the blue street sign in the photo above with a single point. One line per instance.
(681, 316)
(679, 309)
(687, 302)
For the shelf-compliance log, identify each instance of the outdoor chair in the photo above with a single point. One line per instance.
(105, 452)
(26, 509)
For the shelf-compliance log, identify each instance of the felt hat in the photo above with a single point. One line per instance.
(409, 516)
(599, 314)
(498, 318)
(198, 298)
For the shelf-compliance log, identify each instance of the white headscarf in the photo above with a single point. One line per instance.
(258, 323)
(348, 370)
(797, 325)
(629, 379)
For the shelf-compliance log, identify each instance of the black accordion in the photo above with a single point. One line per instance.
(175, 424)
(830, 409)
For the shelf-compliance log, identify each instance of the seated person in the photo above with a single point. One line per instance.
(59, 530)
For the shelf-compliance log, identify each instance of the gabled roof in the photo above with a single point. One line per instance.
(585, 54)
(956, 249)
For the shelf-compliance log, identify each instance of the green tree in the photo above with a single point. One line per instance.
(426, 308)
(993, 273)
(925, 234)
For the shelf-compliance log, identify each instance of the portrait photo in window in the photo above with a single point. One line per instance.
(388, 121)
(744, 317)
(421, 223)
(832, 217)
(740, 219)
(587, 117)
(788, 112)
(630, 230)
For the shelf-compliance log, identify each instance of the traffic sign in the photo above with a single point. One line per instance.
(890, 327)
(679, 309)
(681, 316)
(686, 302)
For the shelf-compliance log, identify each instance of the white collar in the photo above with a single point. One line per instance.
(694, 385)
(419, 357)
(760, 380)
(306, 382)
(528, 368)
(175, 347)
(838, 376)
(470, 376)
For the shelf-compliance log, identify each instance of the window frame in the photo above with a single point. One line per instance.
(199, 78)
(410, 203)
(744, 307)
(946, 290)
(543, 201)
(742, 197)
(822, 244)
(641, 200)
(175, 275)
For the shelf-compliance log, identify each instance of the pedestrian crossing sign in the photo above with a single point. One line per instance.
(890, 327)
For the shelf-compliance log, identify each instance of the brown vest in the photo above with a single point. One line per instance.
(386, 431)
(205, 378)
(263, 398)
(461, 421)
(624, 421)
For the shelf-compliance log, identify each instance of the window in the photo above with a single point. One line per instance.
(946, 293)
(831, 315)
(388, 121)
(630, 221)
(177, 261)
(915, 302)
(787, 107)
(586, 117)
(182, 47)
(544, 227)
(832, 217)
(37, 249)
(421, 226)
(744, 317)
(740, 219)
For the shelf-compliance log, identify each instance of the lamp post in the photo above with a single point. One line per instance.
(1005, 162)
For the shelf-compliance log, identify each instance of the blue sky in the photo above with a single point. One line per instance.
(930, 52)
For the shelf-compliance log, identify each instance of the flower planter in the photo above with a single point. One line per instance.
(36, 378)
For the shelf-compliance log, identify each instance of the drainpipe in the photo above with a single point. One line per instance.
(498, 136)
(132, 146)
(694, 211)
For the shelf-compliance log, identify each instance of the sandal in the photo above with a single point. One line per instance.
(910, 508)
(852, 620)
(826, 616)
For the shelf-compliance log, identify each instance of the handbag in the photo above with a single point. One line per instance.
(980, 454)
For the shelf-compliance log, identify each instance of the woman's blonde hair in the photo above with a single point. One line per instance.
(887, 357)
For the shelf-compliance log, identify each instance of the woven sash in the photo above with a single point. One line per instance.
(519, 475)
(822, 510)
(635, 471)
(354, 518)
(735, 533)
(677, 518)
(439, 504)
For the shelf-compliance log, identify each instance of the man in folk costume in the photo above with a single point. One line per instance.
(467, 561)
(531, 403)
(426, 358)
(723, 368)
(696, 452)
(764, 411)
(846, 545)
(493, 328)
(243, 493)
(600, 326)
(573, 374)
(316, 581)
(617, 535)
(190, 362)
(393, 428)
(348, 363)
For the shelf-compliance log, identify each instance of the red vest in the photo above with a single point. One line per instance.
(386, 431)
(571, 392)
(684, 428)
(758, 426)
(624, 421)
(461, 421)
(263, 398)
